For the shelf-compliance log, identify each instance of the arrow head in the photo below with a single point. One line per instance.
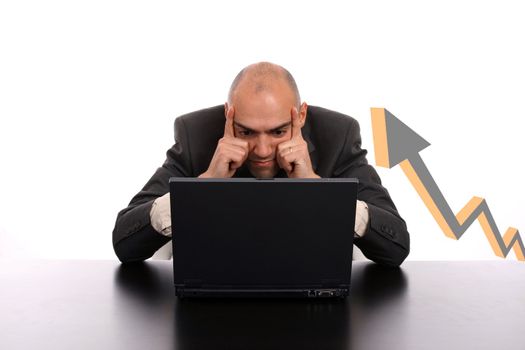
(393, 140)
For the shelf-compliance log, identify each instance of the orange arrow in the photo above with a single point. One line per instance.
(395, 143)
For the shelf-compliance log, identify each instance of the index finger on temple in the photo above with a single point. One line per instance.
(228, 127)
(296, 123)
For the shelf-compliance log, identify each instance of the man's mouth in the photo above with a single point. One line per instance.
(262, 163)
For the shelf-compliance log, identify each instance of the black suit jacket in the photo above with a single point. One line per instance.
(334, 143)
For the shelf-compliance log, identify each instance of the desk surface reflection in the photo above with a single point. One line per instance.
(105, 305)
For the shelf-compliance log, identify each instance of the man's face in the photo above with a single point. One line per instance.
(264, 120)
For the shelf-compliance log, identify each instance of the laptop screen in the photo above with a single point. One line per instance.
(262, 233)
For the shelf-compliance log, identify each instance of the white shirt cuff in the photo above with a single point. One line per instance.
(160, 215)
(361, 219)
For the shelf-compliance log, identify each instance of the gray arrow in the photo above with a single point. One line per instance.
(405, 144)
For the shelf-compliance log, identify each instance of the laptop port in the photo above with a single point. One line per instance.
(325, 293)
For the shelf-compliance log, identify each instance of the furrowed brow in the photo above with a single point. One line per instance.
(284, 125)
(242, 126)
(281, 126)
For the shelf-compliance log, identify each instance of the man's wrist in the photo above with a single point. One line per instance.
(160, 215)
(206, 175)
(310, 175)
(361, 219)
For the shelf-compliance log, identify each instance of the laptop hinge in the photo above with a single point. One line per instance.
(330, 282)
(193, 283)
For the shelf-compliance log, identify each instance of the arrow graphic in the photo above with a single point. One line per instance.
(395, 143)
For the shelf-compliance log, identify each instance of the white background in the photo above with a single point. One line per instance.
(89, 91)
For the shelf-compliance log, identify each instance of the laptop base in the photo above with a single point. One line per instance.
(262, 293)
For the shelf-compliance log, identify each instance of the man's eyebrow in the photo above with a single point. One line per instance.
(282, 126)
(274, 129)
(242, 126)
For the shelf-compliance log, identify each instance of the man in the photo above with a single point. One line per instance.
(264, 131)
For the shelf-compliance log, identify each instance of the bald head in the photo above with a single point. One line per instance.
(263, 77)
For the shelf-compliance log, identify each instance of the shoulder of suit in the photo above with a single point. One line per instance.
(326, 118)
(205, 114)
(211, 119)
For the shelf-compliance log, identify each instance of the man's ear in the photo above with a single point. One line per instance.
(302, 113)
(226, 108)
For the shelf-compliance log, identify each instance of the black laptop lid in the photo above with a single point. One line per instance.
(280, 233)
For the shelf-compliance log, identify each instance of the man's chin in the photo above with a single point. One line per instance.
(263, 173)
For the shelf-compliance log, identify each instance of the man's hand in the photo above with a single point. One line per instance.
(230, 154)
(292, 155)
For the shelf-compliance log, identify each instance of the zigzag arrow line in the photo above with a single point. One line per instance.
(395, 143)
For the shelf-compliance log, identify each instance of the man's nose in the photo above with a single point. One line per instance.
(263, 147)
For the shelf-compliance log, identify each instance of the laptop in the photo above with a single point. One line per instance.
(247, 237)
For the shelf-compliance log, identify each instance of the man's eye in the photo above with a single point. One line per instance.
(245, 132)
(279, 132)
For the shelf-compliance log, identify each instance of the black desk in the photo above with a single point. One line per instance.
(105, 305)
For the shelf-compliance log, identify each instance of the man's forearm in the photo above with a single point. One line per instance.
(140, 246)
(386, 241)
(134, 239)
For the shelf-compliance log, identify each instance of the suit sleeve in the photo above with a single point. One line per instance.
(134, 239)
(386, 240)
